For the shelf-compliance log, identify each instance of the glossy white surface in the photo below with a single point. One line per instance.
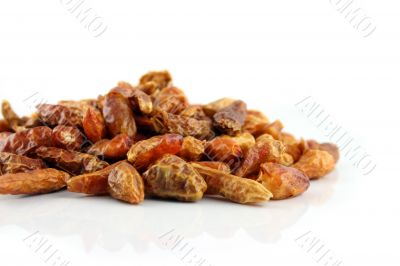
(99, 230)
(271, 55)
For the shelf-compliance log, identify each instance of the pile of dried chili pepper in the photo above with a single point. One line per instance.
(148, 140)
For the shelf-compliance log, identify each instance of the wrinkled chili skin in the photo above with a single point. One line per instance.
(274, 129)
(220, 166)
(126, 184)
(94, 125)
(118, 115)
(266, 149)
(95, 183)
(125, 88)
(331, 148)
(230, 119)
(75, 163)
(145, 152)
(224, 149)
(53, 115)
(245, 140)
(234, 188)
(81, 106)
(116, 148)
(211, 108)
(68, 138)
(12, 163)
(196, 112)
(293, 146)
(315, 163)
(171, 100)
(192, 149)
(25, 142)
(164, 122)
(150, 88)
(139, 100)
(284, 182)
(162, 79)
(172, 177)
(255, 123)
(34, 182)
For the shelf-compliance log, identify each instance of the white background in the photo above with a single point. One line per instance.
(271, 54)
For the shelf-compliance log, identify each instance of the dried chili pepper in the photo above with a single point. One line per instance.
(12, 163)
(116, 148)
(27, 141)
(145, 152)
(164, 122)
(68, 138)
(54, 115)
(159, 143)
(230, 119)
(118, 115)
(126, 184)
(94, 125)
(172, 177)
(75, 163)
(34, 182)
